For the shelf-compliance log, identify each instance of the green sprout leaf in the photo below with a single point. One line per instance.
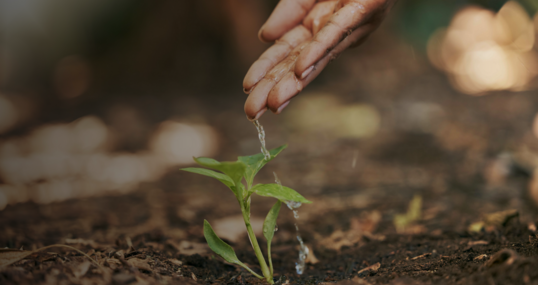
(255, 162)
(269, 226)
(235, 170)
(223, 249)
(282, 193)
(270, 222)
(219, 176)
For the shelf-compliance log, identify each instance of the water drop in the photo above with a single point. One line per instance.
(292, 205)
(303, 251)
(261, 136)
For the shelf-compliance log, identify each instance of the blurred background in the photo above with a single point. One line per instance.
(102, 98)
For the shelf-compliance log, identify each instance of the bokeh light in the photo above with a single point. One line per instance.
(334, 117)
(56, 162)
(483, 51)
(90, 134)
(176, 143)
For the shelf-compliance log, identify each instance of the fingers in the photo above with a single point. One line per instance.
(319, 15)
(274, 55)
(256, 103)
(281, 84)
(280, 95)
(287, 14)
(339, 26)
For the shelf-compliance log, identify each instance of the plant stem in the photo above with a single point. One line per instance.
(265, 270)
(252, 272)
(269, 257)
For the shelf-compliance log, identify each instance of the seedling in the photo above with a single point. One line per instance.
(231, 174)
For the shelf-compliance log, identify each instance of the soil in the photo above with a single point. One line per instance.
(154, 236)
(468, 161)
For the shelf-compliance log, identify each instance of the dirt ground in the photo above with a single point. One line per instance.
(469, 159)
(154, 235)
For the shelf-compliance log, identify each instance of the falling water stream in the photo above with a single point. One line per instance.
(261, 136)
(293, 206)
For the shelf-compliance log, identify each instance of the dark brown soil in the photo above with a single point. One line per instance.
(456, 161)
(145, 226)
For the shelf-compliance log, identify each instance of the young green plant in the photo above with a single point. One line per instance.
(232, 174)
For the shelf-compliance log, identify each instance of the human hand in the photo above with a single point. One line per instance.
(308, 34)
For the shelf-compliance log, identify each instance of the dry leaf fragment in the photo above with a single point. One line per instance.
(501, 218)
(189, 248)
(493, 221)
(372, 268)
(338, 239)
(175, 262)
(367, 223)
(140, 264)
(478, 242)
(9, 256)
(421, 256)
(112, 263)
(193, 277)
(503, 256)
(311, 257)
(81, 269)
(481, 257)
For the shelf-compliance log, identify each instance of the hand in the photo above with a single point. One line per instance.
(308, 34)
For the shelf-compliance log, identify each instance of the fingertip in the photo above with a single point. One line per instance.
(257, 115)
(308, 59)
(250, 110)
(282, 107)
(257, 99)
(255, 73)
(302, 65)
(306, 72)
(286, 89)
(261, 35)
(268, 34)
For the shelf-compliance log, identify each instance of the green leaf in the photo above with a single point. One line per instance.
(270, 222)
(219, 176)
(282, 193)
(255, 162)
(234, 170)
(221, 248)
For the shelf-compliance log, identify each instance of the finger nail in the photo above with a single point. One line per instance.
(260, 37)
(258, 115)
(307, 72)
(282, 107)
